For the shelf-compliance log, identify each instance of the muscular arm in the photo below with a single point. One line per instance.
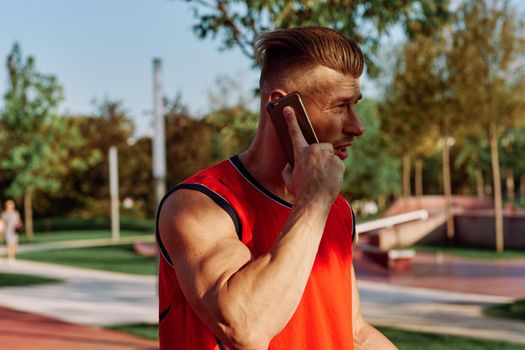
(247, 301)
(366, 337)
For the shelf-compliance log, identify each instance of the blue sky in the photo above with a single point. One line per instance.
(104, 48)
(100, 49)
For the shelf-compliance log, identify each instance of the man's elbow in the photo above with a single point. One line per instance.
(246, 339)
(367, 337)
(242, 329)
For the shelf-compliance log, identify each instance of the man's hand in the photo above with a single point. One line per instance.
(317, 173)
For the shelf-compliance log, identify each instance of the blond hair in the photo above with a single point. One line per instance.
(285, 54)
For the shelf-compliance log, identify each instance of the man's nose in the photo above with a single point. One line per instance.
(353, 125)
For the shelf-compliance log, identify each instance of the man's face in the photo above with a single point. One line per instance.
(330, 99)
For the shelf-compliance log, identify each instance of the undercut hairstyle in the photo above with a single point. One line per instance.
(285, 54)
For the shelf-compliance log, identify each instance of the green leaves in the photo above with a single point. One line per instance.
(370, 171)
(236, 23)
(34, 140)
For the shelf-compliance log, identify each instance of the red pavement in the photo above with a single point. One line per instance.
(500, 277)
(26, 331)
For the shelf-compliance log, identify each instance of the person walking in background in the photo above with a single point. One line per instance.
(12, 222)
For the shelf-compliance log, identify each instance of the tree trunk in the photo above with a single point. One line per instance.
(479, 183)
(406, 180)
(419, 181)
(406, 176)
(509, 179)
(447, 188)
(496, 175)
(381, 203)
(28, 213)
(522, 189)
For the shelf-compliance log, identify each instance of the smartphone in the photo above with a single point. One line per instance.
(275, 109)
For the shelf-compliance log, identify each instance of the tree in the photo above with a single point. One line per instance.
(110, 126)
(474, 156)
(512, 151)
(411, 105)
(238, 22)
(36, 141)
(371, 172)
(487, 52)
(190, 146)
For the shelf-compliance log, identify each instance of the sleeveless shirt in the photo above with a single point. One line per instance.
(323, 319)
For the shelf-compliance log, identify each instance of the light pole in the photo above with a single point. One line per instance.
(159, 138)
(113, 190)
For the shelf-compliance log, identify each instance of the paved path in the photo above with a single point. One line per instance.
(87, 297)
(448, 273)
(28, 331)
(435, 311)
(103, 298)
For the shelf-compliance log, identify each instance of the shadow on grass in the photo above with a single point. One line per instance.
(19, 280)
(115, 258)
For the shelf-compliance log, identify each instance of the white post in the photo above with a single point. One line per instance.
(159, 143)
(113, 190)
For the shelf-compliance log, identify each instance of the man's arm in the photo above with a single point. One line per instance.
(247, 301)
(366, 337)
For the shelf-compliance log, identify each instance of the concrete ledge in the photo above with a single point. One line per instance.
(395, 259)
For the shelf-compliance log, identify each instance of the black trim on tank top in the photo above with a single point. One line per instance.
(244, 172)
(218, 199)
(164, 313)
(220, 344)
(354, 233)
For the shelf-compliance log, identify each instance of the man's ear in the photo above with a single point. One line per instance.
(276, 94)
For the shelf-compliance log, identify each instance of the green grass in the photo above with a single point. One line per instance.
(407, 340)
(515, 310)
(472, 252)
(117, 258)
(57, 236)
(144, 330)
(96, 223)
(17, 280)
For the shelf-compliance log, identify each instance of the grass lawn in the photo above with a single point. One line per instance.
(17, 280)
(472, 252)
(56, 236)
(515, 310)
(144, 330)
(405, 340)
(117, 258)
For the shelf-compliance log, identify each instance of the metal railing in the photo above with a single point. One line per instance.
(391, 221)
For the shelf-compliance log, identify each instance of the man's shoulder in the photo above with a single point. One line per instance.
(216, 184)
(204, 198)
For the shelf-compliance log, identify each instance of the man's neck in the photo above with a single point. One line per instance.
(265, 161)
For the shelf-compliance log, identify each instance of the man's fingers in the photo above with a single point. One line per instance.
(298, 140)
(328, 147)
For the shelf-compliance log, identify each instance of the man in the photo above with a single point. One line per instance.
(257, 254)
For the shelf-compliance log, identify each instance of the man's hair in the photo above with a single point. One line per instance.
(286, 53)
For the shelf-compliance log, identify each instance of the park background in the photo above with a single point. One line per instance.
(443, 107)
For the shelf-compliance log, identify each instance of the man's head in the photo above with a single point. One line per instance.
(324, 67)
(287, 55)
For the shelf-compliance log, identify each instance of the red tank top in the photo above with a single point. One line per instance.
(323, 319)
